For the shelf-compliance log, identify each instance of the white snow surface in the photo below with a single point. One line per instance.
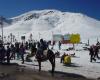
(81, 63)
(44, 23)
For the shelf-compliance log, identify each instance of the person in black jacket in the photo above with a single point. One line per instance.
(43, 44)
(17, 50)
(91, 50)
(96, 52)
(13, 51)
(2, 53)
(41, 47)
(22, 52)
(59, 44)
(8, 54)
(26, 45)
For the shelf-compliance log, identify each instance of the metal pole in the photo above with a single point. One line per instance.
(97, 39)
(88, 42)
(39, 36)
(1, 22)
(2, 31)
(11, 37)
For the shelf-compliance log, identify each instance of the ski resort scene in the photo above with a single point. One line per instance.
(49, 40)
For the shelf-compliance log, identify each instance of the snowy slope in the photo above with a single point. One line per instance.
(45, 22)
(6, 22)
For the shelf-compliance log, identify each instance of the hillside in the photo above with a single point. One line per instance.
(45, 22)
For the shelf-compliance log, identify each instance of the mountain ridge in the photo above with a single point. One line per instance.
(47, 21)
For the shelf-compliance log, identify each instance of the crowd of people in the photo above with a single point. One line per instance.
(94, 51)
(17, 50)
(10, 51)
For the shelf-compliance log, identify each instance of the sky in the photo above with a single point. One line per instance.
(12, 8)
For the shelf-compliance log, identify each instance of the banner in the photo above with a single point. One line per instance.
(57, 37)
(74, 38)
(66, 37)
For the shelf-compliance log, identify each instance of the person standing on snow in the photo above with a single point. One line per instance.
(22, 52)
(91, 50)
(8, 54)
(96, 51)
(59, 44)
(17, 50)
(2, 53)
(13, 51)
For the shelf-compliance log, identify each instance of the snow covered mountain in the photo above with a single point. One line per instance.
(6, 22)
(44, 23)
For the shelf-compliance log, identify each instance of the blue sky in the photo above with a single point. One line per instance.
(11, 8)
